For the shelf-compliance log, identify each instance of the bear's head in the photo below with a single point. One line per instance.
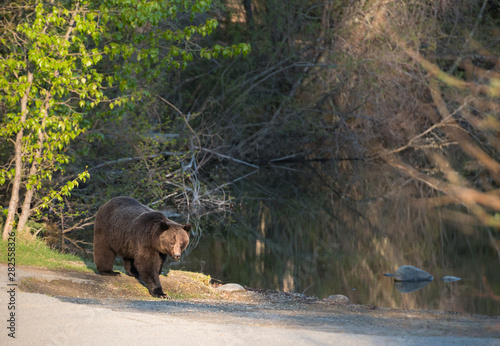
(174, 239)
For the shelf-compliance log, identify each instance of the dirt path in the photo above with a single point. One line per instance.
(87, 309)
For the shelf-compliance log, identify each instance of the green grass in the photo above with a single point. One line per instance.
(36, 253)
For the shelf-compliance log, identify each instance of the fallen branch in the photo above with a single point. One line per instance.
(232, 182)
(286, 158)
(227, 157)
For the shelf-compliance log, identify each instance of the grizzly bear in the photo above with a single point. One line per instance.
(140, 235)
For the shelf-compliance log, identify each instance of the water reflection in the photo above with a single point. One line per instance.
(408, 287)
(319, 232)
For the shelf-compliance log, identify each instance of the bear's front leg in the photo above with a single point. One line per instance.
(148, 273)
(154, 287)
(158, 293)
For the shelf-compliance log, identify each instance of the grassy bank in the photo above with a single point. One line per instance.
(36, 253)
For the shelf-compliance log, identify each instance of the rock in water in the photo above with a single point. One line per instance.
(411, 273)
(231, 287)
(450, 278)
(338, 299)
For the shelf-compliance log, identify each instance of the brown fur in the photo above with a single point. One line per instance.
(140, 235)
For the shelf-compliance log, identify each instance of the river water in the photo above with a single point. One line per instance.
(319, 231)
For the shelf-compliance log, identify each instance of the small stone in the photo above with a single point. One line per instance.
(411, 273)
(389, 274)
(337, 299)
(450, 279)
(231, 288)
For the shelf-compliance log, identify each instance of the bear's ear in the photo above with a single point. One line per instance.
(187, 227)
(164, 226)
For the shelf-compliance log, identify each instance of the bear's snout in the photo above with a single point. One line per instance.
(177, 257)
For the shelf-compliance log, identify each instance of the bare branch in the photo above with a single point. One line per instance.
(128, 159)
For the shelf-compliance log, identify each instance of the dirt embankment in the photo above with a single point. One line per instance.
(192, 293)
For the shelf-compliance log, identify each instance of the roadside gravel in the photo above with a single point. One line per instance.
(251, 317)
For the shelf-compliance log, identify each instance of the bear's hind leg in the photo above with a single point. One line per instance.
(128, 263)
(104, 259)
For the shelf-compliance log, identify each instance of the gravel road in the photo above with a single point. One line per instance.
(44, 320)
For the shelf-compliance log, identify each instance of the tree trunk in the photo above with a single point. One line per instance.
(249, 13)
(26, 208)
(18, 156)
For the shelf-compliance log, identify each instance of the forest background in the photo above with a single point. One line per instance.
(171, 107)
